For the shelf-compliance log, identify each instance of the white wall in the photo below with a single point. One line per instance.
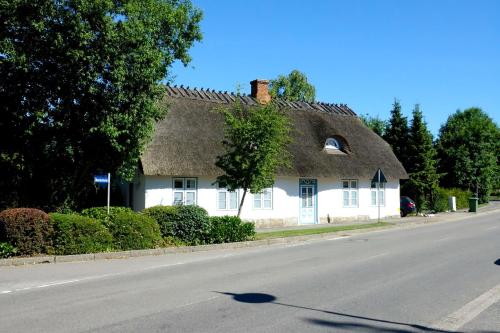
(158, 191)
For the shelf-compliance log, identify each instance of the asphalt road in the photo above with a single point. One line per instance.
(434, 278)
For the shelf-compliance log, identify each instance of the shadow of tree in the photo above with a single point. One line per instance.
(497, 262)
(267, 298)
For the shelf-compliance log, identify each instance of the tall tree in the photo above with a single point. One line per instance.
(293, 87)
(396, 133)
(80, 81)
(255, 147)
(376, 124)
(468, 150)
(421, 163)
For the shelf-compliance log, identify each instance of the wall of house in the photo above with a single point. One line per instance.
(285, 210)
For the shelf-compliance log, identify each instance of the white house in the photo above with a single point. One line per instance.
(334, 158)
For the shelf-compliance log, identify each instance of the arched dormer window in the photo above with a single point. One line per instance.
(332, 143)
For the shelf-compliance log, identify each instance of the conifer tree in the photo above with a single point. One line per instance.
(421, 163)
(396, 133)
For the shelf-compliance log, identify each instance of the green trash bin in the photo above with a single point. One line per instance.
(473, 205)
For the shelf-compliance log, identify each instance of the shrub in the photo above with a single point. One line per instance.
(441, 198)
(27, 229)
(133, 231)
(75, 234)
(164, 216)
(191, 224)
(226, 229)
(101, 213)
(7, 250)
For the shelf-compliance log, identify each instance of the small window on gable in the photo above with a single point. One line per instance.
(334, 146)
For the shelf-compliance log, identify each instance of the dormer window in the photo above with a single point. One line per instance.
(332, 143)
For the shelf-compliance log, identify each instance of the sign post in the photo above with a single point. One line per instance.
(104, 179)
(379, 178)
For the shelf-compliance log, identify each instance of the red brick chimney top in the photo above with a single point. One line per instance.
(260, 91)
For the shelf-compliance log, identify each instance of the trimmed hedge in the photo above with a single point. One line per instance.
(75, 234)
(165, 217)
(133, 231)
(27, 229)
(191, 224)
(441, 198)
(226, 229)
(101, 213)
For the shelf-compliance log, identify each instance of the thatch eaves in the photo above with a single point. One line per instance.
(189, 139)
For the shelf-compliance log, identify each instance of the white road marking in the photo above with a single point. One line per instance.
(491, 228)
(5, 291)
(469, 311)
(338, 238)
(442, 239)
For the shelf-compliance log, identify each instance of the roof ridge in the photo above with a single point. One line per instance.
(225, 97)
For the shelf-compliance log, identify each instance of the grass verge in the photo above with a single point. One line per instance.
(315, 231)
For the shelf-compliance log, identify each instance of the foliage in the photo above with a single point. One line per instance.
(293, 87)
(255, 146)
(101, 213)
(396, 133)
(469, 152)
(7, 250)
(74, 234)
(441, 195)
(164, 216)
(80, 84)
(191, 224)
(376, 124)
(421, 163)
(226, 229)
(133, 231)
(27, 229)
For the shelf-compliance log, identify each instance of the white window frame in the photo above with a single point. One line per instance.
(259, 197)
(373, 191)
(185, 190)
(332, 143)
(351, 191)
(227, 205)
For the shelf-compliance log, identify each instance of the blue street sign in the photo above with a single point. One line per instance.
(101, 179)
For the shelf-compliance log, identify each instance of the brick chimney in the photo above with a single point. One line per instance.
(260, 91)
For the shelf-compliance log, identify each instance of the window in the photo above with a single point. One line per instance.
(332, 143)
(226, 200)
(184, 191)
(264, 199)
(380, 196)
(350, 192)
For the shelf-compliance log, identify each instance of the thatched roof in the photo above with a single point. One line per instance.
(188, 140)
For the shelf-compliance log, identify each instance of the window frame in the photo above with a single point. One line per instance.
(262, 199)
(227, 206)
(373, 190)
(350, 190)
(184, 190)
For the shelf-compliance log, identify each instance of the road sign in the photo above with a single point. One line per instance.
(101, 179)
(379, 177)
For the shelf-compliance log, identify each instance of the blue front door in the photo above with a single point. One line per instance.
(307, 194)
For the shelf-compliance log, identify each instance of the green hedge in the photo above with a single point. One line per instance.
(101, 213)
(441, 198)
(191, 225)
(27, 229)
(134, 231)
(75, 234)
(7, 250)
(226, 229)
(165, 216)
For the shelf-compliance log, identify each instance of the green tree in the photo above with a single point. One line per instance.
(396, 133)
(255, 144)
(468, 149)
(80, 81)
(421, 163)
(293, 87)
(376, 124)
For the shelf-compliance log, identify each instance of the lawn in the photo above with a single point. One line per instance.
(315, 231)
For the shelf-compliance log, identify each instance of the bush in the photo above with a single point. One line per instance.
(164, 216)
(101, 213)
(75, 234)
(191, 224)
(27, 229)
(133, 231)
(226, 229)
(7, 250)
(441, 198)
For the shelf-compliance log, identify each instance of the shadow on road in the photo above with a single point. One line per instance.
(497, 262)
(267, 298)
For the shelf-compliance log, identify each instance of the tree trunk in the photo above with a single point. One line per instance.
(242, 201)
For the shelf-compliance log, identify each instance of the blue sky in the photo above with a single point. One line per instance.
(444, 55)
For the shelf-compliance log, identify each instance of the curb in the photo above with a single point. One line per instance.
(210, 247)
